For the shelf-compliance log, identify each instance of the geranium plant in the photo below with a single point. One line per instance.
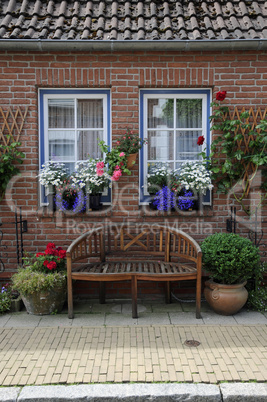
(53, 259)
(130, 143)
(42, 271)
(116, 160)
(236, 157)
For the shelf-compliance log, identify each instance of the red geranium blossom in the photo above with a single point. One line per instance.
(220, 96)
(39, 254)
(52, 265)
(200, 140)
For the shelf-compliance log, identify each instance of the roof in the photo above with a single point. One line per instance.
(130, 21)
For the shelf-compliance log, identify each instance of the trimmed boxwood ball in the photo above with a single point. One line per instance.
(229, 258)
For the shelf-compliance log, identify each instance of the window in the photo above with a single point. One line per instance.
(172, 120)
(72, 122)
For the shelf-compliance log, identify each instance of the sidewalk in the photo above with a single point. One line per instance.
(104, 344)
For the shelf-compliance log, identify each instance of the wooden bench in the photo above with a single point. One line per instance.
(123, 253)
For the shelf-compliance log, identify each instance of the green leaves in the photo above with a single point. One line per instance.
(231, 156)
(10, 157)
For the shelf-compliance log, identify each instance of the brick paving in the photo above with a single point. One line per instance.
(140, 353)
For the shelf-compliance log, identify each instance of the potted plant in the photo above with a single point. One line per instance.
(130, 144)
(42, 281)
(116, 161)
(92, 176)
(51, 176)
(230, 260)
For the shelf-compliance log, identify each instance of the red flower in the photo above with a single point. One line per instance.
(62, 253)
(220, 96)
(200, 140)
(39, 254)
(51, 245)
(52, 265)
(45, 263)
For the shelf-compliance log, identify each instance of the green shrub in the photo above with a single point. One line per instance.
(229, 258)
(27, 281)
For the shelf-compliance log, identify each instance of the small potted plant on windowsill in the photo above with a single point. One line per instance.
(92, 176)
(194, 181)
(42, 281)
(51, 176)
(130, 144)
(230, 260)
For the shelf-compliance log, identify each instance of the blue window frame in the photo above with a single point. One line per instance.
(71, 124)
(172, 120)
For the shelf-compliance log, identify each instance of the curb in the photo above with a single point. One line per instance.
(245, 392)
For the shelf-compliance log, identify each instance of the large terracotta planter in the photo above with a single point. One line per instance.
(225, 299)
(131, 159)
(45, 302)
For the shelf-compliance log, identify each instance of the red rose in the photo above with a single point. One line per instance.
(200, 140)
(220, 96)
(45, 263)
(52, 265)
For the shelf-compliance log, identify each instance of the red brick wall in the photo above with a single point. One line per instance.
(242, 74)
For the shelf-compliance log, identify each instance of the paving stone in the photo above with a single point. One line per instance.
(185, 318)
(88, 320)
(23, 320)
(211, 318)
(253, 318)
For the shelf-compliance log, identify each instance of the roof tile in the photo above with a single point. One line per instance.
(133, 20)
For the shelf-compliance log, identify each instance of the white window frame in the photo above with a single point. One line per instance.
(47, 94)
(205, 95)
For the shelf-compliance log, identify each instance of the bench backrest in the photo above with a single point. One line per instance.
(124, 240)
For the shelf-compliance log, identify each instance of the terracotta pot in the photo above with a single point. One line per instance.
(131, 159)
(45, 302)
(225, 299)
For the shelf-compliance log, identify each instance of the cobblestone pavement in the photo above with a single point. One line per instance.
(54, 350)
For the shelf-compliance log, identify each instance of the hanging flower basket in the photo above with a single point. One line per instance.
(131, 159)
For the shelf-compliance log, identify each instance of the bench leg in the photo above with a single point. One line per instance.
(134, 297)
(70, 298)
(168, 292)
(102, 292)
(198, 298)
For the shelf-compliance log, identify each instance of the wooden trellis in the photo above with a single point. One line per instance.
(253, 119)
(11, 124)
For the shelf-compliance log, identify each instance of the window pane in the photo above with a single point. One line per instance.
(61, 145)
(188, 113)
(88, 144)
(160, 113)
(90, 113)
(186, 144)
(61, 113)
(160, 145)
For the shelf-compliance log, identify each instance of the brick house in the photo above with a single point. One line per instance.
(119, 62)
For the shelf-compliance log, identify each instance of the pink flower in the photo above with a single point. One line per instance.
(122, 154)
(99, 172)
(116, 175)
(100, 165)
